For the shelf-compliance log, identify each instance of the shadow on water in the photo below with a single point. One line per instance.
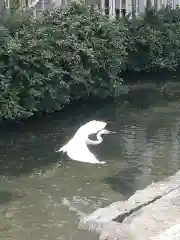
(124, 181)
(6, 197)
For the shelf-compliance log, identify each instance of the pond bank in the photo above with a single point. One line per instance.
(151, 213)
(129, 94)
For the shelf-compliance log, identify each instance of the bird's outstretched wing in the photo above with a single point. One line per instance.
(91, 128)
(80, 152)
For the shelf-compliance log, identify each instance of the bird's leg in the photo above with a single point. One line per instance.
(59, 163)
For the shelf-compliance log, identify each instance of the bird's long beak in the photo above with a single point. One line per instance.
(110, 132)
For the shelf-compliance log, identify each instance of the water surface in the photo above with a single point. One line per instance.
(41, 201)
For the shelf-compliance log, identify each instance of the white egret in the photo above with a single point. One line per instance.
(77, 149)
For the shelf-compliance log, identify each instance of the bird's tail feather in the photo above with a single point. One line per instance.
(62, 149)
(102, 162)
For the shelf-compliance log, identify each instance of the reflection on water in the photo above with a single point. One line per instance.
(40, 201)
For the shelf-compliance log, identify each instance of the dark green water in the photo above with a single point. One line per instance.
(40, 201)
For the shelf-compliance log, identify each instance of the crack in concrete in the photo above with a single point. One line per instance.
(123, 216)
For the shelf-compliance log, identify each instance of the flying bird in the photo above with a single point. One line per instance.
(76, 148)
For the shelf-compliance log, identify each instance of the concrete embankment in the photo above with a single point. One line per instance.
(150, 214)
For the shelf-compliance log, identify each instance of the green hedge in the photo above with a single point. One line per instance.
(153, 40)
(76, 53)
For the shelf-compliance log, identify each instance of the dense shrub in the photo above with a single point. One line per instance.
(153, 40)
(77, 52)
(66, 54)
(11, 88)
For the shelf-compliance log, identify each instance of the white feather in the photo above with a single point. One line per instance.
(77, 148)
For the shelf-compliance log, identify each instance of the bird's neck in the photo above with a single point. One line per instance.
(99, 137)
(95, 142)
